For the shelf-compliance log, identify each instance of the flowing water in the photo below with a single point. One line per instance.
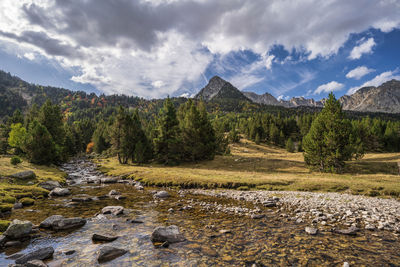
(270, 241)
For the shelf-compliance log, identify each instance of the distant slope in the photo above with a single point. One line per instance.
(218, 88)
(384, 98)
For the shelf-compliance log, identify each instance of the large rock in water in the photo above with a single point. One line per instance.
(18, 229)
(161, 194)
(49, 185)
(114, 210)
(59, 192)
(108, 253)
(103, 238)
(39, 254)
(168, 234)
(25, 175)
(58, 223)
(36, 263)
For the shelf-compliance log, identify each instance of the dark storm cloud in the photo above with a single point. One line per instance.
(50, 45)
(104, 22)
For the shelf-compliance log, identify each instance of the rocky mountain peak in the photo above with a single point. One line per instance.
(218, 88)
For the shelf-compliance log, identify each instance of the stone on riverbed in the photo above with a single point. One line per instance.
(161, 194)
(170, 234)
(25, 175)
(108, 253)
(58, 222)
(103, 238)
(311, 230)
(114, 193)
(49, 185)
(82, 198)
(111, 180)
(60, 192)
(39, 254)
(114, 210)
(18, 229)
(350, 231)
(36, 263)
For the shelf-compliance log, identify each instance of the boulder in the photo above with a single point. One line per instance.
(161, 194)
(39, 254)
(350, 231)
(82, 198)
(49, 185)
(58, 223)
(257, 216)
(108, 253)
(18, 206)
(13, 243)
(170, 234)
(36, 263)
(114, 210)
(109, 180)
(114, 193)
(25, 175)
(103, 238)
(59, 192)
(18, 229)
(311, 230)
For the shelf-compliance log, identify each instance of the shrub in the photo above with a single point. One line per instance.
(4, 225)
(15, 160)
(8, 199)
(6, 207)
(26, 201)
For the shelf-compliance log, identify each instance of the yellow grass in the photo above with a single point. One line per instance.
(16, 188)
(270, 168)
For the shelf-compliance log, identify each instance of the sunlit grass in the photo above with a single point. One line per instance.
(264, 167)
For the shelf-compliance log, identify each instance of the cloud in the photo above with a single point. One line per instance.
(30, 56)
(364, 48)
(125, 46)
(359, 72)
(329, 87)
(377, 81)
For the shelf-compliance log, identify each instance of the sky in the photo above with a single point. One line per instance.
(159, 48)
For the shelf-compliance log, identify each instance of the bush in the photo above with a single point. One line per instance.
(4, 225)
(6, 207)
(15, 160)
(26, 201)
(8, 199)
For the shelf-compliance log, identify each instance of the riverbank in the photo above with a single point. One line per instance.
(261, 167)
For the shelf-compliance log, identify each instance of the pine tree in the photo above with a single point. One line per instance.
(327, 145)
(290, 145)
(39, 146)
(99, 138)
(50, 116)
(119, 138)
(167, 146)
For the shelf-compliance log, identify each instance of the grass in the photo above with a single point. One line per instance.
(12, 189)
(264, 167)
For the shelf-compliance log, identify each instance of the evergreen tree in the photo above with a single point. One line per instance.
(167, 147)
(50, 116)
(39, 146)
(99, 138)
(290, 145)
(119, 135)
(327, 145)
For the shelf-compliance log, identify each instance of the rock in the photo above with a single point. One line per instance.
(135, 221)
(269, 204)
(350, 231)
(25, 175)
(103, 238)
(49, 185)
(13, 243)
(18, 206)
(18, 229)
(59, 192)
(69, 252)
(82, 198)
(170, 234)
(3, 240)
(346, 264)
(120, 197)
(48, 222)
(68, 223)
(58, 222)
(114, 210)
(114, 193)
(225, 231)
(299, 220)
(39, 254)
(161, 194)
(108, 253)
(171, 210)
(311, 230)
(109, 180)
(138, 186)
(257, 216)
(35, 263)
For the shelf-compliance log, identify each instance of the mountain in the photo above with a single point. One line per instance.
(218, 88)
(266, 99)
(384, 98)
(301, 101)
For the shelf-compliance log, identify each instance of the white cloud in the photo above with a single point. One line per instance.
(364, 48)
(135, 44)
(30, 56)
(378, 80)
(358, 72)
(329, 87)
